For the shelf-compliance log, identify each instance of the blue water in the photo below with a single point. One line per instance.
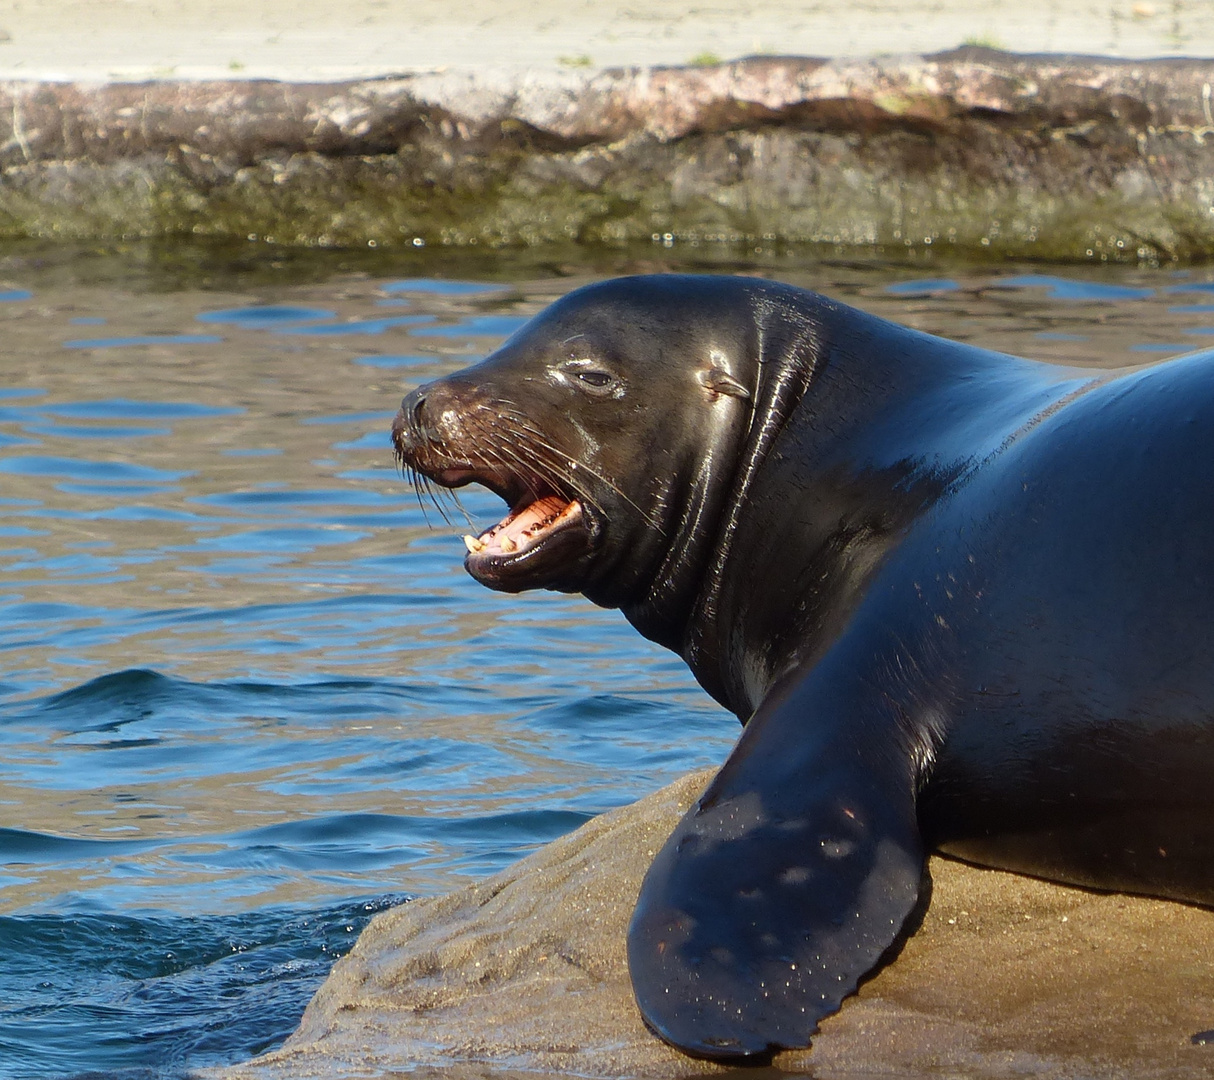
(1060, 288)
(248, 696)
(139, 995)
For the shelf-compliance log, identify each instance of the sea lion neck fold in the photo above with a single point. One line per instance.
(823, 493)
(772, 348)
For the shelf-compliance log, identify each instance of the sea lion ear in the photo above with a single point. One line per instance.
(717, 380)
(780, 889)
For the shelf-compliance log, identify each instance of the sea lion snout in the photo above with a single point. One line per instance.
(432, 416)
(456, 431)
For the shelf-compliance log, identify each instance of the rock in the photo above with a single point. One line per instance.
(525, 973)
(973, 151)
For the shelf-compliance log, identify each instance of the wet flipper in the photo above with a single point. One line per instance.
(783, 886)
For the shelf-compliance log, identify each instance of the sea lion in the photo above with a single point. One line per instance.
(961, 602)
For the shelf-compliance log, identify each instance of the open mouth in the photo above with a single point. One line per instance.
(544, 541)
(524, 530)
(538, 544)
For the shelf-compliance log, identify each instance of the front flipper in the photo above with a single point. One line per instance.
(783, 886)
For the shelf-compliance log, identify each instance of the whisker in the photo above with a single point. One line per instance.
(455, 499)
(568, 466)
(538, 440)
(438, 496)
(415, 480)
(511, 445)
(547, 459)
(433, 495)
(506, 454)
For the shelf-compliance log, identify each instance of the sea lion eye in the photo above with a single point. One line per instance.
(589, 376)
(593, 378)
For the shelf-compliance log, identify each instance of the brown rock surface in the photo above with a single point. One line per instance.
(525, 974)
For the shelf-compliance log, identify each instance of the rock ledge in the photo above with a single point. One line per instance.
(525, 973)
(973, 151)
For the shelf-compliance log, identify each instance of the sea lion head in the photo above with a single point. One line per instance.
(612, 425)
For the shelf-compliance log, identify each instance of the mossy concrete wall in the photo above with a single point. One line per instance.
(975, 151)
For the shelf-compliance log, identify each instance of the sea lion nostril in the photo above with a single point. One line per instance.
(411, 413)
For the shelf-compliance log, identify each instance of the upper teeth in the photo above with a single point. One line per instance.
(476, 545)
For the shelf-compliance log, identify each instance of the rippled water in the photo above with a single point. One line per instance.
(248, 695)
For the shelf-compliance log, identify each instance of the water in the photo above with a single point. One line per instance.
(248, 695)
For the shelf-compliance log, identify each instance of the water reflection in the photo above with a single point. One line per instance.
(922, 287)
(438, 287)
(1059, 288)
(265, 316)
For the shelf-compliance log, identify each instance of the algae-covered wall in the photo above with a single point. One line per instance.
(975, 151)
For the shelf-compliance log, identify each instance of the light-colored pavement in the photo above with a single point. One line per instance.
(306, 40)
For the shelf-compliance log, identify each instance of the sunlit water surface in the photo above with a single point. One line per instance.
(248, 695)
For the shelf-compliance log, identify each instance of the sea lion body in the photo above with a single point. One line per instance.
(961, 602)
